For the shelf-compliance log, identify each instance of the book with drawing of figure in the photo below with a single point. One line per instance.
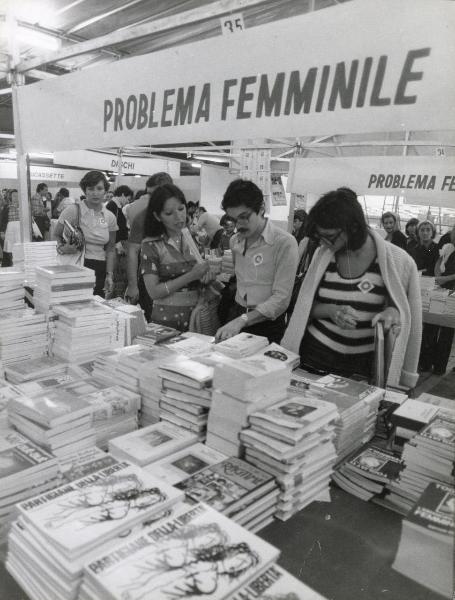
(151, 443)
(201, 553)
(80, 515)
(182, 464)
(227, 485)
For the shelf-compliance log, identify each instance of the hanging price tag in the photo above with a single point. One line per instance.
(232, 24)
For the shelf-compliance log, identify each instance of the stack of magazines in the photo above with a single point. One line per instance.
(237, 489)
(78, 522)
(293, 440)
(23, 336)
(44, 367)
(11, 289)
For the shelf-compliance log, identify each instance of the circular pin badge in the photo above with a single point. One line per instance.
(258, 259)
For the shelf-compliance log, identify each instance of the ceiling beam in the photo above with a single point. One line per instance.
(102, 16)
(215, 9)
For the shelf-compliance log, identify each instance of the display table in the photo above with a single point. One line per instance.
(439, 319)
(343, 549)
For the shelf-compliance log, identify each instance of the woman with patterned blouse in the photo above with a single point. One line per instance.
(171, 274)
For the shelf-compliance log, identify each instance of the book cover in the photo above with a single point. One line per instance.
(413, 414)
(18, 454)
(185, 463)
(151, 443)
(376, 464)
(51, 408)
(79, 515)
(296, 412)
(242, 344)
(441, 431)
(276, 584)
(201, 553)
(225, 485)
(435, 509)
(187, 370)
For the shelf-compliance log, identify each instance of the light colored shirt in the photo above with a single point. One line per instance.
(266, 270)
(138, 207)
(96, 226)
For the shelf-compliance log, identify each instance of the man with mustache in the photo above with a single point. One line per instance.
(265, 261)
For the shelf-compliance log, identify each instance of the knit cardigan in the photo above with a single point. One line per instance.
(401, 280)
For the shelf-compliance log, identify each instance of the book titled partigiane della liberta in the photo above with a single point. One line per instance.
(199, 553)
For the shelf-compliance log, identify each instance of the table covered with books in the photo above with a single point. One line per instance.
(223, 461)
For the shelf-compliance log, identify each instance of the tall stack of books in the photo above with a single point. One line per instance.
(216, 558)
(130, 318)
(59, 284)
(58, 420)
(292, 440)
(25, 470)
(425, 553)
(428, 457)
(241, 387)
(35, 255)
(11, 289)
(369, 474)
(237, 489)
(59, 531)
(357, 403)
(83, 330)
(186, 394)
(180, 465)
(151, 443)
(23, 336)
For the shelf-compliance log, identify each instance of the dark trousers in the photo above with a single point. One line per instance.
(99, 266)
(271, 329)
(435, 348)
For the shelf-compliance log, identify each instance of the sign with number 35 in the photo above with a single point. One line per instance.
(232, 24)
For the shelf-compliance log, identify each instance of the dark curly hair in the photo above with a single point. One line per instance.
(92, 178)
(339, 209)
(152, 226)
(242, 192)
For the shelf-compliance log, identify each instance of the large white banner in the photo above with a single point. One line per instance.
(430, 179)
(8, 170)
(130, 165)
(362, 66)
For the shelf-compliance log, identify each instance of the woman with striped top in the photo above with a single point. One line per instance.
(355, 280)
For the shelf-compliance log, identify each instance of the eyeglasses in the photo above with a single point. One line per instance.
(243, 217)
(328, 239)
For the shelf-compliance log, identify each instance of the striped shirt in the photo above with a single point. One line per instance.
(366, 294)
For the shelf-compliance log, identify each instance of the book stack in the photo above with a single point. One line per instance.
(23, 336)
(428, 457)
(83, 330)
(438, 301)
(25, 470)
(408, 419)
(227, 263)
(241, 387)
(357, 403)
(276, 584)
(59, 420)
(36, 369)
(35, 255)
(391, 401)
(130, 318)
(292, 440)
(180, 465)
(427, 285)
(191, 344)
(450, 304)
(11, 289)
(242, 345)
(186, 394)
(59, 284)
(237, 489)
(370, 474)
(155, 334)
(114, 413)
(151, 443)
(425, 553)
(199, 553)
(59, 531)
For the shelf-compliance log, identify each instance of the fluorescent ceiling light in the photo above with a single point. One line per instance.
(5, 91)
(41, 155)
(7, 136)
(37, 39)
(214, 158)
(196, 165)
(7, 156)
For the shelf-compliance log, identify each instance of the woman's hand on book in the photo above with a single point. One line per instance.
(199, 270)
(390, 317)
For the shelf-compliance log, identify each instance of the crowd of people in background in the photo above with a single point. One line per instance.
(319, 291)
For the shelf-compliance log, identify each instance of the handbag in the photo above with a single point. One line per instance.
(74, 236)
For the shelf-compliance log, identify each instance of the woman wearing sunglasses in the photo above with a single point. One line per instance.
(355, 280)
